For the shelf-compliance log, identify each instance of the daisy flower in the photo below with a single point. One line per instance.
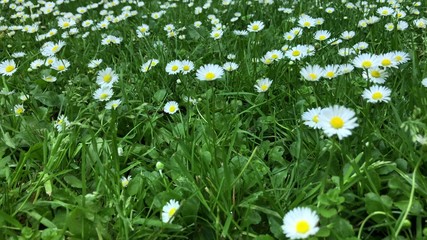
(276, 55)
(113, 104)
(255, 26)
(49, 78)
(36, 64)
(402, 25)
(330, 10)
(297, 31)
(169, 210)
(312, 72)
(424, 82)
(337, 120)
(300, 223)
(385, 11)
(289, 36)
(61, 123)
(143, 30)
(321, 35)
(267, 60)
(360, 46)
(311, 117)
(346, 68)
(306, 21)
(148, 65)
(420, 23)
(230, 66)
(19, 109)
(263, 84)
(171, 107)
(187, 66)
(50, 60)
(389, 27)
(104, 93)
(346, 35)
(94, 63)
(50, 48)
(376, 75)
(106, 77)
(366, 61)
(173, 67)
(209, 72)
(344, 52)
(387, 60)
(125, 180)
(400, 57)
(376, 94)
(60, 65)
(18, 54)
(65, 23)
(331, 71)
(7, 67)
(296, 53)
(216, 34)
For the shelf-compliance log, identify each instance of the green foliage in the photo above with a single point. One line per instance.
(235, 159)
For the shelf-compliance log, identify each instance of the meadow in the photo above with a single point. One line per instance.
(213, 119)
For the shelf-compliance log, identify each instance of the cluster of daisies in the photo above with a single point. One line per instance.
(333, 120)
(105, 79)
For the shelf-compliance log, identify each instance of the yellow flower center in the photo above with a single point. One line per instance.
(9, 68)
(210, 76)
(398, 58)
(66, 24)
(302, 227)
(172, 109)
(50, 61)
(107, 78)
(376, 74)
(337, 122)
(103, 96)
(143, 29)
(315, 118)
(296, 53)
(274, 56)
(172, 212)
(55, 48)
(19, 111)
(216, 35)
(377, 95)
(330, 74)
(264, 87)
(289, 37)
(313, 76)
(386, 62)
(61, 67)
(268, 61)
(385, 12)
(366, 64)
(323, 37)
(186, 68)
(174, 68)
(255, 27)
(307, 24)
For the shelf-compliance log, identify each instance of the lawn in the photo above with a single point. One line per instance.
(213, 119)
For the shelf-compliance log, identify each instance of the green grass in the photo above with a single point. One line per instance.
(238, 160)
